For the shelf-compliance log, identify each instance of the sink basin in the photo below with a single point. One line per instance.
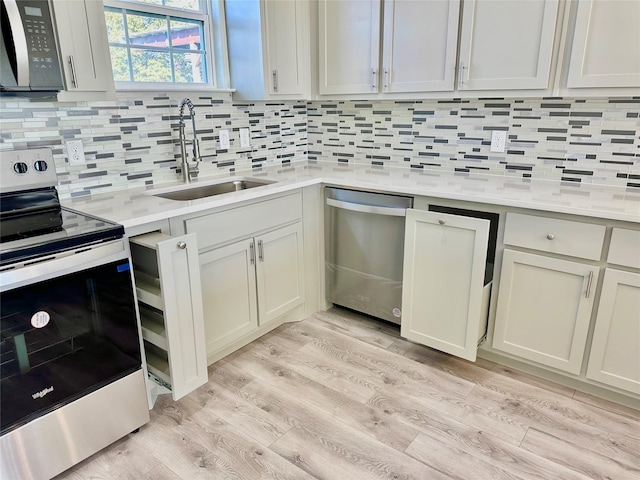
(202, 191)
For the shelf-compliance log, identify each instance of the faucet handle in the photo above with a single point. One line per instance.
(196, 150)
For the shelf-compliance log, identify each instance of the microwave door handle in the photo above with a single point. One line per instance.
(19, 42)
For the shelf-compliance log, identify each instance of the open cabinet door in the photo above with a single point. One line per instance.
(443, 281)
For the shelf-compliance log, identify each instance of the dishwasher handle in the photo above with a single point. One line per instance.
(358, 207)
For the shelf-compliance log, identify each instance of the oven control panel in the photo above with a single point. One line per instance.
(27, 169)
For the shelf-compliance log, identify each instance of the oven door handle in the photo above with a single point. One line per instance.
(64, 263)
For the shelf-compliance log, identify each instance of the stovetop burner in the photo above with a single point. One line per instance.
(75, 231)
(32, 222)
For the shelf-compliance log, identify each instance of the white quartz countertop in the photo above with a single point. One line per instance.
(137, 206)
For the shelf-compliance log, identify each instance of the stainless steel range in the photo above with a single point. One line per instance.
(71, 373)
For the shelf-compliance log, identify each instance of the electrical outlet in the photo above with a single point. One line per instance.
(245, 141)
(75, 152)
(498, 140)
(225, 143)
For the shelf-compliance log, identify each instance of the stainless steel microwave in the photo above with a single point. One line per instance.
(29, 60)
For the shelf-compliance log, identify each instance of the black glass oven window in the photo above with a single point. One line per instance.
(64, 338)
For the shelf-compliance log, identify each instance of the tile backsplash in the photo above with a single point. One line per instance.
(133, 141)
(588, 141)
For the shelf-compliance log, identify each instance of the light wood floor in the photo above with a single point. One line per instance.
(340, 396)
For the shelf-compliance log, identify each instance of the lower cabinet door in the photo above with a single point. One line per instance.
(615, 350)
(279, 272)
(544, 309)
(443, 280)
(228, 293)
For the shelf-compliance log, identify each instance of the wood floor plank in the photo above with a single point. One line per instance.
(318, 368)
(457, 367)
(340, 397)
(592, 464)
(633, 414)
(481, 450)
(236, 455)
(394, 369)
(231, 377)
(359, 327)
(464, 465)
(248, 419)
(160, 472)
(423, 412)
(341, 454)
(561, 407)
(601, 440)
(317, 400)
(534, 381)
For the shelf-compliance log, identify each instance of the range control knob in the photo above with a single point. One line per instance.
(40, 165)
(20, 167)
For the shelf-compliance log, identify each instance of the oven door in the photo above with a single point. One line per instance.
(68, 327)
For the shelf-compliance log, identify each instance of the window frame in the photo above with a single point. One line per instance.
(213, 64)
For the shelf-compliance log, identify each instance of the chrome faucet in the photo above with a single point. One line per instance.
(188, 169)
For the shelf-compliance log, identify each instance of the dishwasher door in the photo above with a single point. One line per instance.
(364, 251)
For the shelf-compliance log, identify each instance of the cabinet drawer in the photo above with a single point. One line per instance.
(625, 248)
(552, 235)
(246, 221)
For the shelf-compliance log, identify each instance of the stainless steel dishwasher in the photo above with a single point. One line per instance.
(364, 251)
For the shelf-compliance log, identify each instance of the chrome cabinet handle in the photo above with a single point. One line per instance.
(252, 253)
(589, 282)
(74, 77)
(260, 251)
(387, 77)
(182, 245)
(19, 42)
(442, 221)
(275, 81)
(461, 75)
(550, 236)
(374, 83)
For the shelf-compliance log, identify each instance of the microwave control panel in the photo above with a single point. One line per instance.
(44, 66)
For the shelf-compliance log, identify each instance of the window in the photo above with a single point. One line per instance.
(160, 42)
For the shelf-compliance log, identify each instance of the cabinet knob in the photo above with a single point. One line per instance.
(182, 245)
(550, 236)
(442, 221)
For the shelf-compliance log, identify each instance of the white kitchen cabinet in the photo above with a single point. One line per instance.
(349, 44)
(615, 349)
(169, 296)
(279, 272)
(251, 283)
(230, 301)
(605, 48)
(544, 309)
(269, 48)
(251, 261)
(84, 50)
(506, 45)
(418, 46)
(444, 296)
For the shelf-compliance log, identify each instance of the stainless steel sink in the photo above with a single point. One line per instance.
(202, 191)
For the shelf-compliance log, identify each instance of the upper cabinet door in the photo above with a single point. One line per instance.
(349, 46)
(443, 280)
(84, 48)
(506, 44)
(286, 23)
(419, 46)
(606, 44)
